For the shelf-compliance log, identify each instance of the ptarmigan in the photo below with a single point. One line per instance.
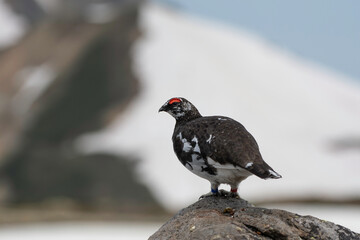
(216, 148)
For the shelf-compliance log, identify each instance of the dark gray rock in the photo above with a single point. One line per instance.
(229, 218)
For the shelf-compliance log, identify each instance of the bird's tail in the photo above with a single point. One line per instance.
(273, 174)
(263, 171)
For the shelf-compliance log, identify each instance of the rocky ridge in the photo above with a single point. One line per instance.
(229, 218)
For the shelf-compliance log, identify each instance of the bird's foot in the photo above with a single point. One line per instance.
(210, 194)
(234, 195)
(223, 193)
(213, 192)
(219, 193)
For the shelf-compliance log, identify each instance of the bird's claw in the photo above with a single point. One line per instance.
(223, 193)
(234, 195)
(209, 194)
(220, 193)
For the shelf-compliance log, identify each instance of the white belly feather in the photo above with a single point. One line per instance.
(225, 173)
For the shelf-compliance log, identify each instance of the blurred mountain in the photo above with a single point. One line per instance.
(67, 77)
(29, 9)
(35, 11)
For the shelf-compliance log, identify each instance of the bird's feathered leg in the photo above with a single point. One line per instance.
(234, 193)
(234, 190)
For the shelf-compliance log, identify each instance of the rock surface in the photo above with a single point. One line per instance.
(229, 218)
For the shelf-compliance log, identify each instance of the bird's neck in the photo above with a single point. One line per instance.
(189, 116)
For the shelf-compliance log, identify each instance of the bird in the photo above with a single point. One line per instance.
(216, 148)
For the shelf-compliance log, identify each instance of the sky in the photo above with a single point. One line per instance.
(324, 31)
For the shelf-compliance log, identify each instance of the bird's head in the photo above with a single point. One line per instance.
(181, 109)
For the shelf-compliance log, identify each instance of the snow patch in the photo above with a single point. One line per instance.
(12, 26)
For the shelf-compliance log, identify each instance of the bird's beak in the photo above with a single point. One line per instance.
(163, 108)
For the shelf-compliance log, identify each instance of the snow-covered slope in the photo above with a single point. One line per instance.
(294, 109)
(12, 26)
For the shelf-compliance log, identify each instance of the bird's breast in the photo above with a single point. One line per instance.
(190, 154)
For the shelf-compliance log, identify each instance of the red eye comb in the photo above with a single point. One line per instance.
(173, 100)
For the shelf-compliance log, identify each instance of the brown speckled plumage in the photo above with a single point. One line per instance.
(216, 148)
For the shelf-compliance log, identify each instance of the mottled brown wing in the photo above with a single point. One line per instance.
(227, 141)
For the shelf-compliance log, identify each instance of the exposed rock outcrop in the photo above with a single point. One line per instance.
(229, 218)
